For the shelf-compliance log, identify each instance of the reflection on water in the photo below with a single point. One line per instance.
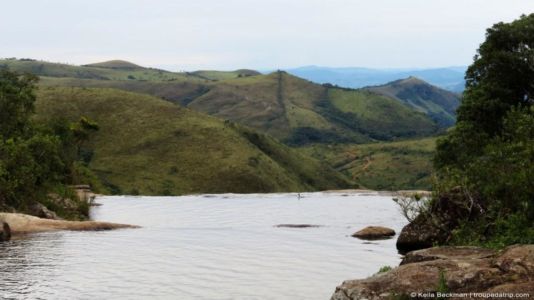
(206, 247)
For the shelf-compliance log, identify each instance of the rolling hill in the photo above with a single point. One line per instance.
(149, 146)
(298, 111)
(100, 71)
(291, 109)
(438, 104)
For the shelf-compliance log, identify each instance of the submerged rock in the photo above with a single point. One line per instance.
(464, 269)
(374, 233)
(21, 223)
(297, 225)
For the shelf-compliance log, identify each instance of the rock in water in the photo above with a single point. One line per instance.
(5, 232)
(464, 269)
(374, 233)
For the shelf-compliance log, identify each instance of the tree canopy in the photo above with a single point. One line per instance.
(489, 154)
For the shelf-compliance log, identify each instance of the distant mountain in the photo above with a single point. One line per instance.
(438, 104)
(451, 78)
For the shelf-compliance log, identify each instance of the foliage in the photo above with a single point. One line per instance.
(412, 206)
(34, 160)
(384, 269)
(442, 283)
(490, 152)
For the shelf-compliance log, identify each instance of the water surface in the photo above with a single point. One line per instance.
(206, 247)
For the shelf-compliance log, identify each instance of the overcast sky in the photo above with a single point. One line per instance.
(268, 34)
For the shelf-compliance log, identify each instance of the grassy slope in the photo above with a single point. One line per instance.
(150, 146)
(383, 166)
(223, 75)
(299, 111)
(287, 107)
(437, 103)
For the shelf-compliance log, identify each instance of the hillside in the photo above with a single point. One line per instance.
(100, 71)
(382, 166)
(222, 75)
(298, 112)
(289, 108)
(115, 64)
(149, 146)
(438, 104)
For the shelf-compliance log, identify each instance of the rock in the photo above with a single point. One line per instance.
(297, 225)
(5, 232)
(435, 226)
(41, 211)
(21, 224)
(419, 234)
(465, 269)
(374, 232)
(463, 252)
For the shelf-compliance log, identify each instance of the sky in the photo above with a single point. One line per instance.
(268, 34)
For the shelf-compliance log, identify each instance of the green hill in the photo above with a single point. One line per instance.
(100, 71)
(222, 75)
(291, 109)
(115, 64)
(298, 111)
(438, 104)
(149, 146)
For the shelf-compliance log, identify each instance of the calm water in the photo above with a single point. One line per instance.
(206, 247)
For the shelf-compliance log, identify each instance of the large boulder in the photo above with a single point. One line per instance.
(374, 233)
(435, 226)
(464, 270)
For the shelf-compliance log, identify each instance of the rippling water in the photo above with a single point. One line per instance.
(206, 247)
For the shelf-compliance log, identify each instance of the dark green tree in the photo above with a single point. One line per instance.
(488, 157)
(500, 78)
(17, 100)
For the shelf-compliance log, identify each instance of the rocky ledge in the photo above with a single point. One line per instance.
(13, 224)
(462, 269)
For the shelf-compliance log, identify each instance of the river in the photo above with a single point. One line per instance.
(206, 247)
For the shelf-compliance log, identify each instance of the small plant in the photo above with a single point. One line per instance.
(442, 284)
(413, 205)
(384, 269)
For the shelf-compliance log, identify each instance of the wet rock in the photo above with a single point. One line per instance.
(297, 225)
(21, 224)
(5, 232)
(465, 269)
(374, 233)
